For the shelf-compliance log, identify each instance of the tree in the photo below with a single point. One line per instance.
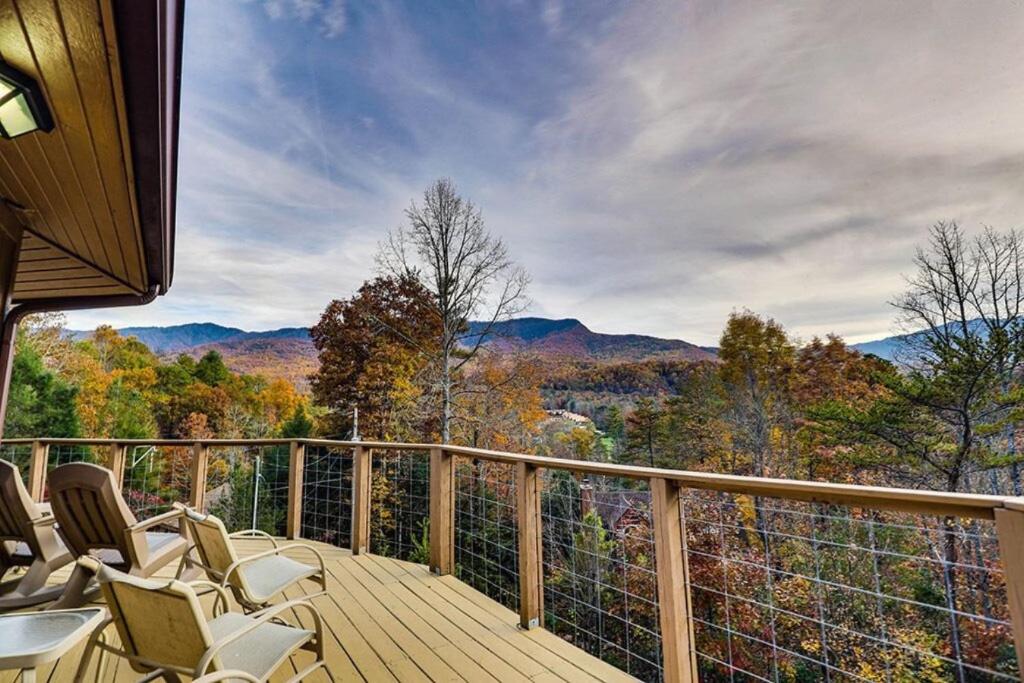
(468, 274)
(299, 425)
(756, 368)
(210, 369)
(40, 403)
(374, 351)
(643, 428)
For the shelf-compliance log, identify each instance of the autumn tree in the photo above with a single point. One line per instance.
(374, 350)
(468, 274)
(756, 369)
(643, 431)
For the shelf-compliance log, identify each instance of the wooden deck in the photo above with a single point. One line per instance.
(395, 621)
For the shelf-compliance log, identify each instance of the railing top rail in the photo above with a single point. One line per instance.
(873, 497)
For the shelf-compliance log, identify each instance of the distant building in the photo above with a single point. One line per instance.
(576, 418)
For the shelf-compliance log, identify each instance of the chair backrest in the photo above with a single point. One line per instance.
(160, 621)
(17, 509)
(89, 508)
(212, 542)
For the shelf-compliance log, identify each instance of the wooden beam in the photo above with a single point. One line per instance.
(442, 511)
(1010, 531)
(678, 661)
(116, 460)
(296, 464)
(37, 470)
(362, 466)
(200, 461)
(531, 568)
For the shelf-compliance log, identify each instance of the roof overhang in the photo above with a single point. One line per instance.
(95, 198)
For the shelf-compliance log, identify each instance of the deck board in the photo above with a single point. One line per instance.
(388, 620)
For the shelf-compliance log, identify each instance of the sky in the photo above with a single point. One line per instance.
(653, 165)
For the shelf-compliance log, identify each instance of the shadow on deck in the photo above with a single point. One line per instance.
(395, 621)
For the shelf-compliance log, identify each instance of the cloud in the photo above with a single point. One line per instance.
(329, 16)
(654, 165)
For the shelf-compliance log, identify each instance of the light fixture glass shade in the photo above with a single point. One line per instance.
(22, 107)
(16, 117)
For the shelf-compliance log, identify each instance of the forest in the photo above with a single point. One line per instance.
(782, 591)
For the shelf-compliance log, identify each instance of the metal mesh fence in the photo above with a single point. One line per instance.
(327, 495)
(400, 505)
(155, 477)
(486, 537)
(20, 455)
(62, 454)
(600, 585)
(247, 487)
(791, 591)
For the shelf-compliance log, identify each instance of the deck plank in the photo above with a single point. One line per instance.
(388, 620)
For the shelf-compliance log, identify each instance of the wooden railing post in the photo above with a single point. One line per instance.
(530, 529)
(361, 469)
(678, 659)
(296, 463)
(116, 460)
(442, 511)
(1010, 531)
(37, 469)
(200, 460)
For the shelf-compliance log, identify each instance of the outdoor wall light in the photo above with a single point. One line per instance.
(22, 106)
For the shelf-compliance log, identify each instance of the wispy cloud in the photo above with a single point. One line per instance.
(655, 165)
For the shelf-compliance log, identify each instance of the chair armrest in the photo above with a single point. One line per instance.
(278, 550)
(248, 533)
(44, 521)
(227, 675)
(259, 618)
(162, 518)
(222, 595)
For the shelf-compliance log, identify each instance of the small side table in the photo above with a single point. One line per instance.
(30, 639)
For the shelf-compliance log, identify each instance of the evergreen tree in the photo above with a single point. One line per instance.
(299, 425)
(40, 403)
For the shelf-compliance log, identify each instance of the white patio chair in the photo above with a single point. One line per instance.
(254, 580)
(164, 632)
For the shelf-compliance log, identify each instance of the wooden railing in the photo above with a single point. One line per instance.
(674, 595)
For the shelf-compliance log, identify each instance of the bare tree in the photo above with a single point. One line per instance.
(446, 247)
(967, 349)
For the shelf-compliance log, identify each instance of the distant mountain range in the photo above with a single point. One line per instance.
(178, 338)
(569, 338)
(288, 352)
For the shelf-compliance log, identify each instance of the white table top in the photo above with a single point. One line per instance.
(28, 639)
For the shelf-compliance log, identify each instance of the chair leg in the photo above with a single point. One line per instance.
(90, 645)
(74, 590)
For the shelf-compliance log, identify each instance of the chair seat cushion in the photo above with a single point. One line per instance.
(260, 651)
(159, 545)
(270, 575)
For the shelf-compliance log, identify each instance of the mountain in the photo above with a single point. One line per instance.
(570, 338)
(179, 338)
(289, 353)
(883, 348)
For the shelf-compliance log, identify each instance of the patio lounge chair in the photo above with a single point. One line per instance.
(93, 519)
(27, 539)
(164, 632)
(254, 580)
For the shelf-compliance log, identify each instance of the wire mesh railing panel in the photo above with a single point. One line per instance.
(247, 487)
(19, 455)
(155, 477)
(600, 581)
(486, 536)
(327, 495)
(400, 505)
(793, 591)
(62, 454)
